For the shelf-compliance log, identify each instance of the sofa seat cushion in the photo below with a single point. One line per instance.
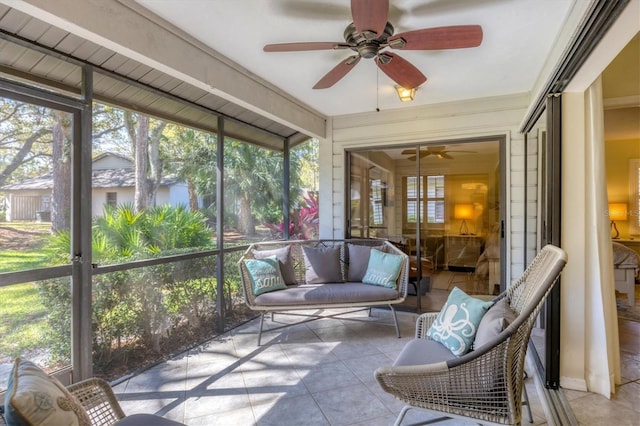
(423, 351)
(343, 293)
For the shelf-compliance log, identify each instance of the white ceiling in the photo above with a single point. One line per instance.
(518, 35)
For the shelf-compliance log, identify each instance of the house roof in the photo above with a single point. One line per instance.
(106, 178)
(100, 178)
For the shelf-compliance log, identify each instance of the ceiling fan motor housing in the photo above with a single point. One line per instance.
(366, 46)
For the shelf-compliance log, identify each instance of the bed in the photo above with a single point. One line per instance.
(625, 269)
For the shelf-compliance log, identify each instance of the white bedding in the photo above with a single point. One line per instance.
(624, 257)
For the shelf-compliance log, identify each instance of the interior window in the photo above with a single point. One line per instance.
(435, 200)
(411, 199)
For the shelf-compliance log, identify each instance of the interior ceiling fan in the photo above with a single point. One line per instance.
(437, 151)
(370, 33)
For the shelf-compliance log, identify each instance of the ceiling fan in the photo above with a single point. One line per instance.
(370, 33)
(438, 151)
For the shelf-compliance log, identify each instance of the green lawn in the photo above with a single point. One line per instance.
(13, 260)
(23, 325)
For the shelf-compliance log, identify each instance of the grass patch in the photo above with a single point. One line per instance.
(23, 320)
(13, 260)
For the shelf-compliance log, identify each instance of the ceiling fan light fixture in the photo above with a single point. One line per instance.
(406, 95)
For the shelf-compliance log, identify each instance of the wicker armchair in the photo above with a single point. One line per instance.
(485, 385)
(100, 403)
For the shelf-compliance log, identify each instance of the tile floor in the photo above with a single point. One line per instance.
(624, 406)
(321, 373)
(317, 373)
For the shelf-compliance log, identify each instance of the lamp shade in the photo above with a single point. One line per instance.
(405, 95)
(463, 211)
(617, 211)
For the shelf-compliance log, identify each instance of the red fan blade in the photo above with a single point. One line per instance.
(298, 47)
(454, 37)
(370, 16)
(340, 70)
(400, 70)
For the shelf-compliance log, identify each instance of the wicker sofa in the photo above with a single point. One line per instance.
(336, 282)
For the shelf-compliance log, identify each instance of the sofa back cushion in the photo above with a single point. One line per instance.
(322, 265)
(283, 255)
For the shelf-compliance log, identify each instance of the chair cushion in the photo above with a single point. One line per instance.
(457, 323)
(322, 265)
(423, 351)
(359, 260)
(497, 318)
(34, 398)
(265, 275)
(383, 269)
(283, 255)
(146, 420)
(328, 293)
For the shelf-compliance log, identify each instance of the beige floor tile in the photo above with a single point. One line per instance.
(321, 373)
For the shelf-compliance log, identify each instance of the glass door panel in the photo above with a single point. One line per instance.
(441, 205)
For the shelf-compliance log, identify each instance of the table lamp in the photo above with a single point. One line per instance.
(464, 212)
(617, 211)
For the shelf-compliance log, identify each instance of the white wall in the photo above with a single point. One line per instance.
(177, 194)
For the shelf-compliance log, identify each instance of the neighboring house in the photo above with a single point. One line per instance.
(113, 183)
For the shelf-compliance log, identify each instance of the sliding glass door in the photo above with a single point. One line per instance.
(440, 204)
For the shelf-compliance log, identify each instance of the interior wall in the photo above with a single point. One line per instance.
(617, 156)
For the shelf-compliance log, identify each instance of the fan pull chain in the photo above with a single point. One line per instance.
(377, 89)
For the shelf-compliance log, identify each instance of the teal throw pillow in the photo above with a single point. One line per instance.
(383, 269)
(265, 275)
(457, 323)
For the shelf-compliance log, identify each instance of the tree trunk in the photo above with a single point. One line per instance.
(247, 224)
(193, 197)
(141, 153)
(155, 165)
(61, 152)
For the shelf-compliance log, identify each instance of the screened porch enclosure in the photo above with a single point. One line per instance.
(122, 226)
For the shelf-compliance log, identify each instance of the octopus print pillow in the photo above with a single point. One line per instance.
(456, 324)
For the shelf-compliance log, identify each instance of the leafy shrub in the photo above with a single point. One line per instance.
(140, 307)
(303, 220)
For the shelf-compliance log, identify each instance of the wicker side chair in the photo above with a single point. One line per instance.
(486, 384)
(100, 403)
